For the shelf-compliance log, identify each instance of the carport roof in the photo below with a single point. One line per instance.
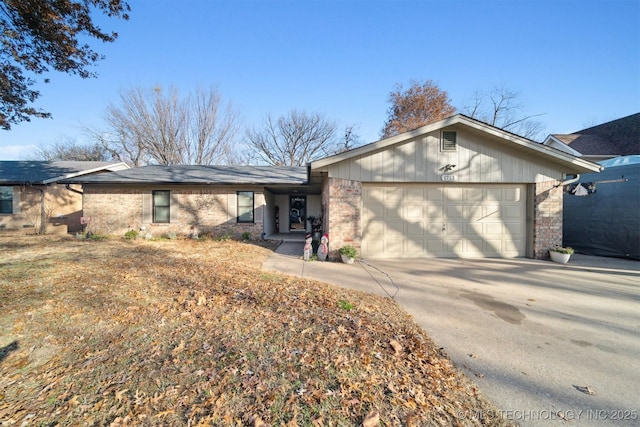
(572, 164)
(191, 174)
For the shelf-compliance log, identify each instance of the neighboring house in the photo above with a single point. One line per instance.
(32, 198)
(616, 138)
(454, 188)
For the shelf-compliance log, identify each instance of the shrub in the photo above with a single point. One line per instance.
(246, 236)
(131, 235)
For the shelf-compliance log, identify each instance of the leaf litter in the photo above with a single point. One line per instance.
(184, 332)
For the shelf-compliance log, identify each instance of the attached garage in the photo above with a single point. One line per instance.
(453, 188)
(443, 220)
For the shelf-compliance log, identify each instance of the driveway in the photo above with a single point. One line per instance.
(548, 344)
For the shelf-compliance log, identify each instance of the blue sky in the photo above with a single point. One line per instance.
(576, 62)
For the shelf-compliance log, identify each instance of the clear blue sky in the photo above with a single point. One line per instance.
(577, 62)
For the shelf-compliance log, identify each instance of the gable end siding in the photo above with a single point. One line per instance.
(421, 160)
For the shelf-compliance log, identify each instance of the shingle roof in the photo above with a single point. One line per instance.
(264, 175)
(38, 172)
(619, 137)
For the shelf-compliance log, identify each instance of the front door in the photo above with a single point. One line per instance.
(297, 213)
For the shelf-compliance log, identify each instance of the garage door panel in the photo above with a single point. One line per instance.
(493, 195)
(444, 220)
(415, 194)
(413, 212)
(454, 212)
(415, 229)
(512, 212)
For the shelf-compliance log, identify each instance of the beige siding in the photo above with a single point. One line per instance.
(477, 159)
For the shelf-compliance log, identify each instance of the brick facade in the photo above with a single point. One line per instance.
(342, 201)
(547, 218)
(115, 211)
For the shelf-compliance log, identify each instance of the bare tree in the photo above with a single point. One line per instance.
(294, 139)
(500, 107)
(157, 126)
(420, 104)
(70, 149)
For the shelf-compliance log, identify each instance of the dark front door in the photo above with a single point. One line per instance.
(297, 213)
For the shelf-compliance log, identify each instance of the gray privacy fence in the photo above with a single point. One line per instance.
(602, 211)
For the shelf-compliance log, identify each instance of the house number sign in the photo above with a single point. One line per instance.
(448, 177)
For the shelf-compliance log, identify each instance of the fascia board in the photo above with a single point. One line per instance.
(120, 166)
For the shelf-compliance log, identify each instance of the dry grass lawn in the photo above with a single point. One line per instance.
(182, 332)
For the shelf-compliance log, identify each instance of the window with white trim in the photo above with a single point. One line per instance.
(161, 206)
(6, 200)
(245, 206)
(449, 140)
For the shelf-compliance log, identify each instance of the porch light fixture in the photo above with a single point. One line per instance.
(448, 167)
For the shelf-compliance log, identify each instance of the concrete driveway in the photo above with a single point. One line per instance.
(548, 344)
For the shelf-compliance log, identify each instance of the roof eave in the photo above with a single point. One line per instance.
(86, 172)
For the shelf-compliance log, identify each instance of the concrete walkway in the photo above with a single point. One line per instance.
(548, 344)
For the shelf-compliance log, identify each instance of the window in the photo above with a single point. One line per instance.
(449, 140)
(161, 206)
(6, 200)
(245, 206)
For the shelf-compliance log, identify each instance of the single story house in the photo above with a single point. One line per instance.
(32, 197)
(454, 188)
(620, 137)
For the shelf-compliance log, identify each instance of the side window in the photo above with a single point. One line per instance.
(161, 206)
(245, 206)
(6, 200)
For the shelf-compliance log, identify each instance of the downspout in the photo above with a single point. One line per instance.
(68, 187)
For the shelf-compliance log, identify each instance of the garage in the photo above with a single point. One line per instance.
(456, 188)
(443, 220)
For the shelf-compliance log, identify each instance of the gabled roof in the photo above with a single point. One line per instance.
(190, 174)
(574, 164)
(619, 137)
(45, 172)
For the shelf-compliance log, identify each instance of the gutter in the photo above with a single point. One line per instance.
(568, 182)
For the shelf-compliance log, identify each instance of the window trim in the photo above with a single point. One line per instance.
(445, 143)
(239, 206)
(9, 199)
(154, 206)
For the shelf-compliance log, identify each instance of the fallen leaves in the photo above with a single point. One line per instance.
(187, 332)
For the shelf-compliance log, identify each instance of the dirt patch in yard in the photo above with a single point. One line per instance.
(183, 332)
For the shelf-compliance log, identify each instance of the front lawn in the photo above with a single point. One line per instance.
(182, 332)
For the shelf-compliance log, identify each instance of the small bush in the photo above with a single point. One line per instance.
(131, 235)
(246, 236)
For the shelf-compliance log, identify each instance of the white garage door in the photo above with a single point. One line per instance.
(443, 220)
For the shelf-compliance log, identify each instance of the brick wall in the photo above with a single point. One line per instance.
(208, 211)
(342, 199)
(547, 218)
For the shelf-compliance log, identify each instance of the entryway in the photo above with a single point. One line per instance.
(297, 213)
